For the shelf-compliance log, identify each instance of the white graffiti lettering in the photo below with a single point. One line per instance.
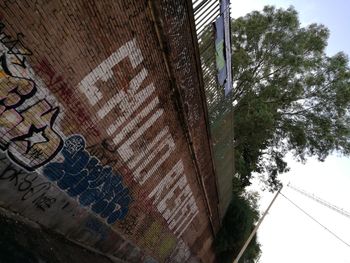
(137, 114)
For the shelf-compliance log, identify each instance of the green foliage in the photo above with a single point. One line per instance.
(289, 95)
(237, 225)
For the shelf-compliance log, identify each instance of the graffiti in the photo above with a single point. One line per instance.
(26, 185)
(166, 245)
(128, 104)
(181, 253)
(138, 111)
(144, 202)
(58, 86)
(138, 141)
(43, 202)
(158, 240)
(105, 153)
(26, 126)
(131, 9)
(29, 137)
(82, 176)
(15, 46)
(152, 234)
(176, 15)
(182, 210)
(128, 225)
(27, 134)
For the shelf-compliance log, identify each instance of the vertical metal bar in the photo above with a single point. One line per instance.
(256, 228)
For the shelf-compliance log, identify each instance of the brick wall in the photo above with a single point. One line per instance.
(103, 135)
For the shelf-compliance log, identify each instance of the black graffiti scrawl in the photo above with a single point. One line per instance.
(29, 135)
(26, 124)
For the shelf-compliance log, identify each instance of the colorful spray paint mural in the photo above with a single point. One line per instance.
(90, 140)
(29, 137)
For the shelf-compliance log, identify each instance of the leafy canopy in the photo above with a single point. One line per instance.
(238, 223)
(289, 95)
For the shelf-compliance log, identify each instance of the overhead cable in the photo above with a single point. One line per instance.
(332, 233)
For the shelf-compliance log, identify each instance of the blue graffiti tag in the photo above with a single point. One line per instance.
(95, 186)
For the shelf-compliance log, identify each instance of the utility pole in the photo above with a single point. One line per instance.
(256, 228)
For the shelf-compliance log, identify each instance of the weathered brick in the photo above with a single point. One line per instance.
(98, 139)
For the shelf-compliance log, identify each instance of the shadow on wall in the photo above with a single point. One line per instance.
(20, 243)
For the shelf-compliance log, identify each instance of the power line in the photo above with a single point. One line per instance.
(321, 201)
(336, 236)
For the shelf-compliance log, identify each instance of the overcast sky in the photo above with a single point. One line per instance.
(287, 235)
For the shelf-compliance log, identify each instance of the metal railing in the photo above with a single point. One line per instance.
(220, 109)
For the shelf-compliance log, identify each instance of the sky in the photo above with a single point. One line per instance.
(287, 235)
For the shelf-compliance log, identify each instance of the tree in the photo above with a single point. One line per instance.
(289, 96)
(238, 223)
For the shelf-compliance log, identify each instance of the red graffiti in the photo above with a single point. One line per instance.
(57, 85)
